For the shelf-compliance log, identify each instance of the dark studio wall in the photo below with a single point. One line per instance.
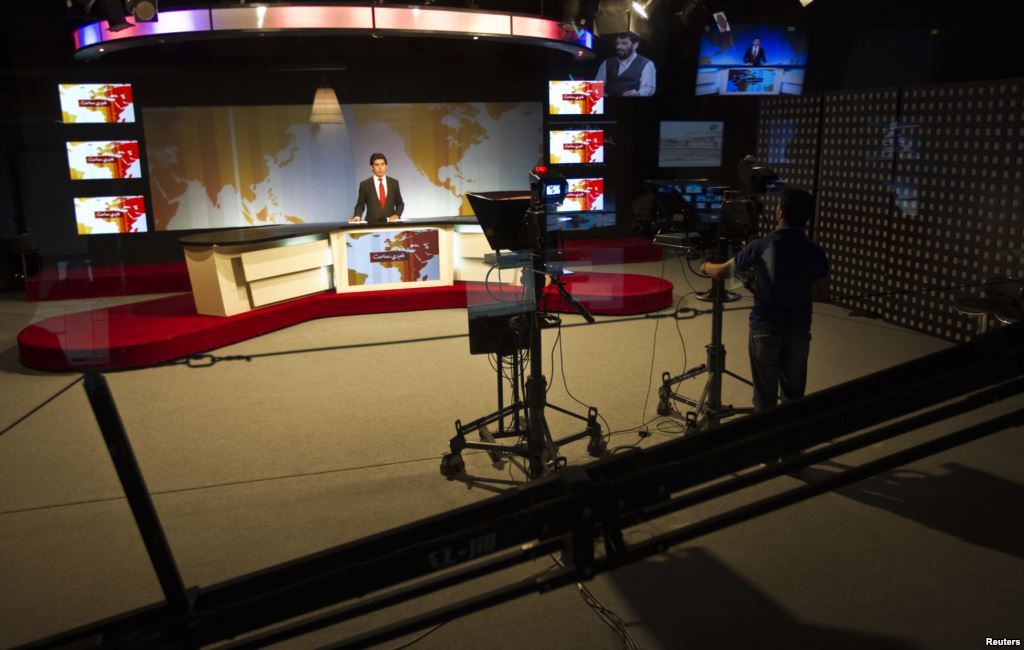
(852, 44)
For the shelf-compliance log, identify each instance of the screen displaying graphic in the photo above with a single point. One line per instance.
(696, 203)
(389, 256)
(751, 81)
(576, 97)
(110, 159)
(585, 221)
(96, 103)
(583, 195)
(577, 147)
(690, 144)
(752, 60)
(101, 215)
(231, 166)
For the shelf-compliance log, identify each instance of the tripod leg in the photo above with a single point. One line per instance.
(487, 436)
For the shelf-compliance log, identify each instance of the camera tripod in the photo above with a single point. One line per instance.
(708, 411)
(528, 423)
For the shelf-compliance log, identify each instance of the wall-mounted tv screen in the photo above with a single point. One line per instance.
(576, 147)
(100, 215)
(96, 103)
(626, 67)
(583, 195)
(690, 144)
(576, 98)
(752, 60)
(104, 159)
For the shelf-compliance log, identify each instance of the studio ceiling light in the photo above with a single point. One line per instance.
(111, 10)
(142, 10)
(326, 109)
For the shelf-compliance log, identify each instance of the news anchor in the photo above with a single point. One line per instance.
(379, 195)
(755, 54)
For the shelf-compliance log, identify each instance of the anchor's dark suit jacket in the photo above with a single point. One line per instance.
(367, 198)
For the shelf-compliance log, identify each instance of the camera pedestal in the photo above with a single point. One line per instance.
(708, 410)
(528, 423)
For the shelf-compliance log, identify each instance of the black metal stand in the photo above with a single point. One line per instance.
(528, 422)
(708, 410)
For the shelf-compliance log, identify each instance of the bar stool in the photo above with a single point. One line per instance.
(1009, 315)
(999, 294)
(976, 307)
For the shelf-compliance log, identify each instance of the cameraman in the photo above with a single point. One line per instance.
(790, 272)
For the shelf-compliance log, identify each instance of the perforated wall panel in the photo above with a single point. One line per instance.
(854, 195)
(787, 141)
(958, 215)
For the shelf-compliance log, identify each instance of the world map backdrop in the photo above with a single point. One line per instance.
(231, 166)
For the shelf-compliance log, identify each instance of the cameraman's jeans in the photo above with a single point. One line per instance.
(778, 360)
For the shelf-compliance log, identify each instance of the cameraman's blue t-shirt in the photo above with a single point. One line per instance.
(786, 264)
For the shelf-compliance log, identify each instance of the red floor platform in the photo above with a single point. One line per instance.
(156, 331)
(99, 281)
(626, 250)
(70, 282)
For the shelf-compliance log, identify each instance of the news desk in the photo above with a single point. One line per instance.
(235, 271)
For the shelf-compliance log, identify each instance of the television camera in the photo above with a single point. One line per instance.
(515, 225)
(701, 215)
(709, 219)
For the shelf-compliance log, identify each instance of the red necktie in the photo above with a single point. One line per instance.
(383, 198)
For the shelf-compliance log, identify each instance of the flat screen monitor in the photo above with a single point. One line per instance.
(752, 60)
(101, 215)
(580, 221)
(697, 203)
(110, 103)
(583, 195)
(690, 144)
(576, 98)
(104, 159)
(576, 146)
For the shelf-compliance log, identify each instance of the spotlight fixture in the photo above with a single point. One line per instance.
(804, 3)
(641, 8)
(143, 10)
(570, 15)
(687, 10)
(110, 10)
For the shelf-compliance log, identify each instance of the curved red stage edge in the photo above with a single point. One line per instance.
(156, 331)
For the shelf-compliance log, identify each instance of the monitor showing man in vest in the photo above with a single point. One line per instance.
(627, 74)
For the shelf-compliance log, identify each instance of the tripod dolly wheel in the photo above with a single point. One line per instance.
(597, 445)
(452, 465)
